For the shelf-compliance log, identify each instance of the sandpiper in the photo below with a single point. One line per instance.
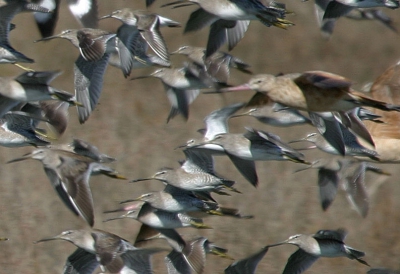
(95, 46)
(346, 174)
(148, 25)
(192, 258)
(84, 148)
(156, 218)
(337, 8)
(276, 115)
(187, 255)
(195, 174)
(85, 12)
(254, 145)
(316, 91)
(182, 86)
(109, 251)
(247, 265)
(351, 146)
(327, 24)
(30, 86)
(132, 51)
(7, 12)
(20, 130)
(324, 243)
(382, 270)
(216, 123)
(217, 65)
(177, 200)
(69, 174)
(229, 19)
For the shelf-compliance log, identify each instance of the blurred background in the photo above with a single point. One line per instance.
(130, 125)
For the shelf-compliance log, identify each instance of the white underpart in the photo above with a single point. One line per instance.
(17, 92)
(80, 8)
(42, 17)
(229, 12)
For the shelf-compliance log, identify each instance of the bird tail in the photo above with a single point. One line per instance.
(354, 254)
(369, 102)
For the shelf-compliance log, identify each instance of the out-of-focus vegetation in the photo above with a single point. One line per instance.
(129, 124)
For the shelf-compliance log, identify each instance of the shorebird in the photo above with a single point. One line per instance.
(324, 243)
(216, 123)
(187, 256)
(148, 25)
(85, 12)
(109, 251)
(316, 91)
(160, 219)
(30, 86)
(132, 51)
(386, 136)
(18, 130)
(7, 12)
(247, 265)
(195, 174)
(69, 174)
(254, 145)
(182, 86)
(95, 46)
(337, 8)
(382, 270)
(275, 114)
(229, 19)
(176, 200)
(86, 149)
(351, 146)
(327, 24)
(218, 65)
(345, 174)
(192, 259)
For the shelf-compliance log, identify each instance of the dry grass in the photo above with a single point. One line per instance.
(129, 124)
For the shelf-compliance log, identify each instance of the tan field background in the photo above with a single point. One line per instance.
(129, 124)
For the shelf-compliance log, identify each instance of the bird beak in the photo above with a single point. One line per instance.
(281, 243)
(141, 77)
(229, 89)
(244, 113)
(106, 16)
(58, 237)
(142, 179)
(47, 38)
(129, 208)
(114, 175)
(126, 215)
(24, 157)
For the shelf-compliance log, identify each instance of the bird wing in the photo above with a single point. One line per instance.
(387, 88)
(217, 121)
(80, 262)
(322, 79)
(150, 31)
(198, 161)
(299, 262)
(328, 184)
(88, 84)
(247, 265)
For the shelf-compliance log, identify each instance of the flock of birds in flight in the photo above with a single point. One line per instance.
(321, 99)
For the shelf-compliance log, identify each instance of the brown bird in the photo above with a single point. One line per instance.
(316, 91)
(69, 174)
(100, 248)
(386, 136)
